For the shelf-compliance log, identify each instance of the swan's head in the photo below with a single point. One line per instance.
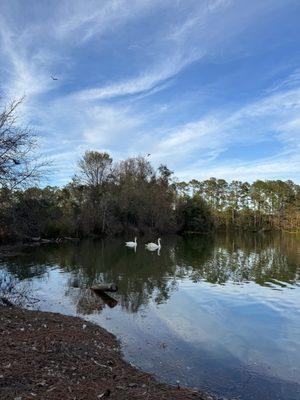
(159, 240)
(135, 239)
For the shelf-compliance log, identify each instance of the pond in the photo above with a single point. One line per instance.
(219, 313)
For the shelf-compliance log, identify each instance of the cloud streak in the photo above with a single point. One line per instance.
(169, 78)
(273, 117)
(143, 83)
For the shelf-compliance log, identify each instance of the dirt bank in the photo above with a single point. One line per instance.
(51, 356)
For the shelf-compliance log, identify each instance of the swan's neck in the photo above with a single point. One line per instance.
(135, 240)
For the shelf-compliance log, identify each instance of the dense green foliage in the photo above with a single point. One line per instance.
(262, 205)
(194, 215)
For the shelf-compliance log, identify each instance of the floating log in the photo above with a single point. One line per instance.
(105, 287)
(108, 300)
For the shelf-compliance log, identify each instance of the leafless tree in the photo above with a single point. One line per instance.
(94, 175)
(18, 163)
(94, 168)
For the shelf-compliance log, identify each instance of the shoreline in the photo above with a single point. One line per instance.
(11, 249)
(50, 356)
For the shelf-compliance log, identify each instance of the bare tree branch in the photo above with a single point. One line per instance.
(18, 164)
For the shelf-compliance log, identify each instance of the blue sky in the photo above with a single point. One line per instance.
(210, 88)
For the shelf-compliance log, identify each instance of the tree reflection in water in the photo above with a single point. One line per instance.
(269, 259)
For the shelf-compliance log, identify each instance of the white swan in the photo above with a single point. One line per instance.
(131, 244)
(153, 246)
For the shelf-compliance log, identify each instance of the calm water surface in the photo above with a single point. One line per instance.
(218, 313)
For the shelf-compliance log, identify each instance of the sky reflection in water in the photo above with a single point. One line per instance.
(221, 313)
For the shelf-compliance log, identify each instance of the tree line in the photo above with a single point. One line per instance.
(103, 198)
(261, 205)
(108, 198)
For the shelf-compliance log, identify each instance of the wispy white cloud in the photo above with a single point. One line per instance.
(293, 80)
(145, 82)
(273, 117)
(280, 167)
(110, 126)
(93, 18)
(24, 73)
(119, 108)
(174, 48)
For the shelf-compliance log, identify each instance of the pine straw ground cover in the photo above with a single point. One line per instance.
(51, 356)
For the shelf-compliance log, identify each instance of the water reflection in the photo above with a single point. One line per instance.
(227, 306)
(87, 302)
(268, 260)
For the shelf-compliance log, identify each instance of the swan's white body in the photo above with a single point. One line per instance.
(153, 246)
(131, 244)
